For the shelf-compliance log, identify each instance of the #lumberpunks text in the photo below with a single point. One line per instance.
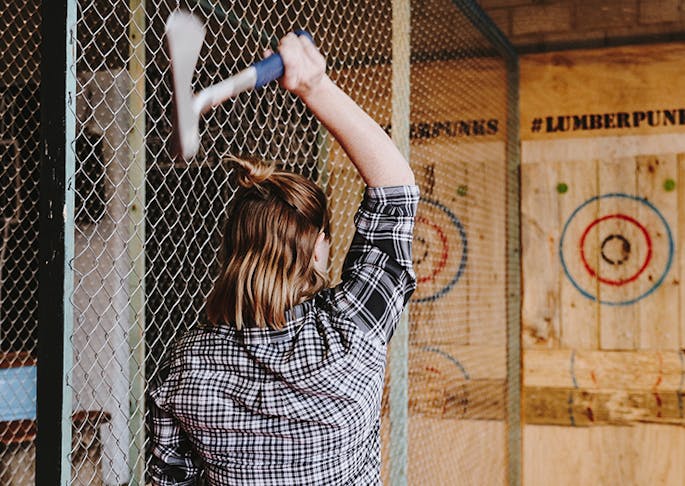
(609, 121)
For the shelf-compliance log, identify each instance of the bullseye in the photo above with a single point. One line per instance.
(625, 250)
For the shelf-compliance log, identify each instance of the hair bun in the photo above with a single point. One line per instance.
(250, 173)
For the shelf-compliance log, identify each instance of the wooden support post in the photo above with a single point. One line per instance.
(136, 245)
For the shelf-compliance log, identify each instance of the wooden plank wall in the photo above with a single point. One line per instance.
(603, 226)
(457, 364)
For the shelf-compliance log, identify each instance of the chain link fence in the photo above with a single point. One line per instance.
(147, 227)
(19, 155)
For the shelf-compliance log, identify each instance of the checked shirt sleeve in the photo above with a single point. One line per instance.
(377, 276)
(173, 461)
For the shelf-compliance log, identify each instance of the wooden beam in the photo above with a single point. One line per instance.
(475, 399)
(457, 382)
(583, 407)
(577, 388)
(604, 370)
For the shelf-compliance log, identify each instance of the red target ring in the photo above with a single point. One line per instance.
(444, 253)
(622, 281)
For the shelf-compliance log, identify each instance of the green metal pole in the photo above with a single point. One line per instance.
(399, 348)
(513, 276)
(136, 245)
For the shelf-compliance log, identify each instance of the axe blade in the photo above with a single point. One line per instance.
(184, 37)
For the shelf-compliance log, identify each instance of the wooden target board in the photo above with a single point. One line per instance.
(458, 251)
(601, 212)
(603, 225)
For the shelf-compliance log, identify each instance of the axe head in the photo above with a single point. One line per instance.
(184, 37)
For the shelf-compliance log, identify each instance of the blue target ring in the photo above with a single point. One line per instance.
(452, 359)
(464, 256)
(659, 281)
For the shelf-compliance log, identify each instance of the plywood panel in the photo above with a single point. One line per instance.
(486, 278)
(603, 92)
(464, 452)
(573, 149)
(561, 453)
(540, 262)
(603, 456)
(578, 314)
(449, 451)
(618, 323)
(658, 317)
(458, 381)
(459, 244)
(618, 357)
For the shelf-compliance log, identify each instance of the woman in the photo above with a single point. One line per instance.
(282, 383)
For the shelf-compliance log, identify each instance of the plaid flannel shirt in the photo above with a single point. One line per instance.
(299, 405)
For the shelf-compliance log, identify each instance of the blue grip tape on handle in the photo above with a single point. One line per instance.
(268, 69)
(271, 68)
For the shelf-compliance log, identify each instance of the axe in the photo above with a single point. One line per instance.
(184, 36)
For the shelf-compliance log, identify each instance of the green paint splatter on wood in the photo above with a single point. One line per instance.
(462, 190)
(562, 187)
(669, 185)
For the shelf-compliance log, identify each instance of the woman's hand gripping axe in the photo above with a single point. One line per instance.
(184, 36)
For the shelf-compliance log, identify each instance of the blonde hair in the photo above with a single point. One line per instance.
(268, 243)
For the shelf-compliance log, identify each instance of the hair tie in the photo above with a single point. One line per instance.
(250, 174)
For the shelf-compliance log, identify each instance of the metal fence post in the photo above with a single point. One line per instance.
(514, 276)
(399, 348)
(56, 241)
(136, 245)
